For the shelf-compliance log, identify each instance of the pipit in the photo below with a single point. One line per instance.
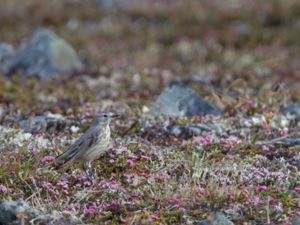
(90, 146)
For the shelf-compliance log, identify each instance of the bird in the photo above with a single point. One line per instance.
(90, 146)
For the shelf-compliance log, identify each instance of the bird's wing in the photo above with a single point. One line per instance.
(90, 137)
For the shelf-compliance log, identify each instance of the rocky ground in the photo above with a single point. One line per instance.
(208, 93)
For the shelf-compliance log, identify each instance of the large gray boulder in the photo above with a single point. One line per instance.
(217, 218)
(44, 55)
(179, 100)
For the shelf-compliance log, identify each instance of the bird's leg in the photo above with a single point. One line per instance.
(88, 170)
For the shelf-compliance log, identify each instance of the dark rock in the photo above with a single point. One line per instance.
(296, 221)
(42, 123)
(281, 141)
(6, 54)
(44, 55)
(190, 130)
(179, 100)
(293, 110)
(10, 210)
(216, 218)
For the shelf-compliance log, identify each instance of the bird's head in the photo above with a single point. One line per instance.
(105, 117)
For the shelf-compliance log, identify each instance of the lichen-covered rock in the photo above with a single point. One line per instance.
(216, 218)
(44, 55)
(180, 100)
(13, 210)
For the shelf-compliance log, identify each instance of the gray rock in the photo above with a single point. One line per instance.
(217, 218)
(296, 221)
(42, 123)
(44, 55)
(190, 130)
(281, 141)
(293, 110)
(119, 5)
(6, 54)
(9, 211)
(179, 100)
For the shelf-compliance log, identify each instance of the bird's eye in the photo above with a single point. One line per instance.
(104, 115)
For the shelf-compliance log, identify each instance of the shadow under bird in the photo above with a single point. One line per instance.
(90, 146)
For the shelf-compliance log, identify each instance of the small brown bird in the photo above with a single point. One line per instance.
(90, 146)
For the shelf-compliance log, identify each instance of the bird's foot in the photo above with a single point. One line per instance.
(90, 175)
(89, 172)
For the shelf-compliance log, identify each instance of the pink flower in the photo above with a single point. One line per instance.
(89, 211)
(49, 187)
(297, 189)
(130, 162)
(4, 189)
(200, 191)
(230, 196)
(254, 200)
(112, 185)
(284, 132)
(182, 209)
(271, 199)
(163, 176)
(154, 218)
(70, 208)
(203, 140)
(63, 184)
(146, 213)
(145, 157)
(261, 188)
(145, 174)
(47, 159)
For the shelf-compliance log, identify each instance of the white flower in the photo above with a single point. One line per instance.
(145, 109)
(258, 120)
(74, 129)
(27, 136)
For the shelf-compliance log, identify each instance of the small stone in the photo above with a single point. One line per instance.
(179, 100)
(293, 110)
(188, 131)
(216, 218)
(42, 123)
(296, 221)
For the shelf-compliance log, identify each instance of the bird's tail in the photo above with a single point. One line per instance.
(64, 158)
